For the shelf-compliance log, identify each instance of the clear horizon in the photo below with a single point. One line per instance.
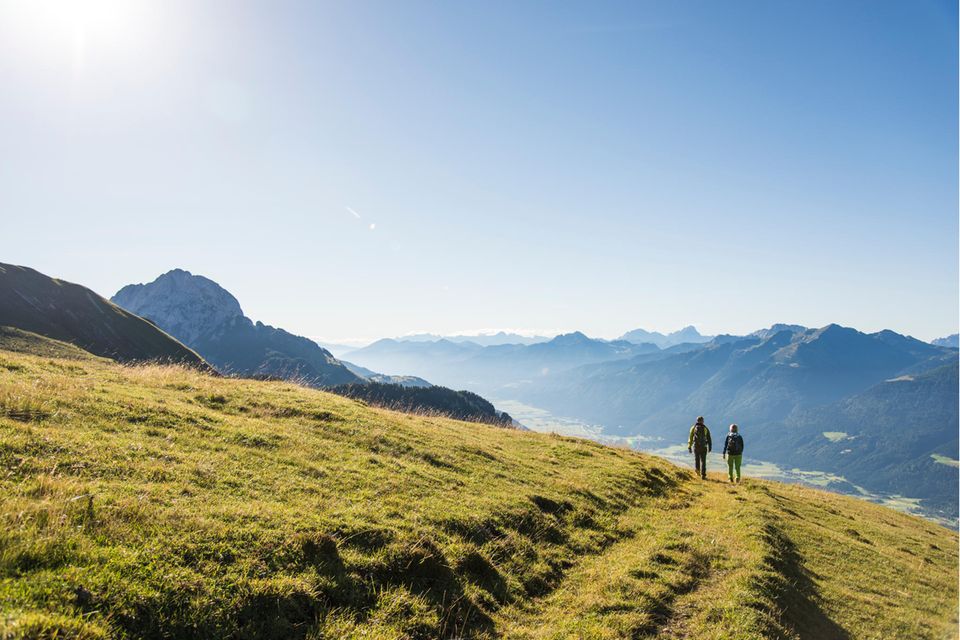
(375, 170)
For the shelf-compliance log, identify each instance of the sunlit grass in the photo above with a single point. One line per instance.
(950, 462)
(155, 501)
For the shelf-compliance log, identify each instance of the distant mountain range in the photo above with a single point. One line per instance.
(763, 334)
(750, 378)
(205, 316)
(685, 335)
(469, 365)
(34, 302)
(482, 339)
(949, 341)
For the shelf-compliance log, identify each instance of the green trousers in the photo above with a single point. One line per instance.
(734, 461)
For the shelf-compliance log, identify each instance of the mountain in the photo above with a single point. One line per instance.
(437, 361)
(754, 378)
(482, 339)
(566, 351)
(765, 383)
(949, 341)
(373, 376)
(336, 348)
(685, 335)
(34, 302)
(163, 503)
(763, 334)
(486, 369)
(899, 437)
(205, 316)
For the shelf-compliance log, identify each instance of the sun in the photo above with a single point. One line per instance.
(55, 24)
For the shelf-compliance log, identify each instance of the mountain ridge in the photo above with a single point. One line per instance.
(34, 302)
(482, 339)
(210, 319)
(462, 364)
(952, 340)
(687, 334)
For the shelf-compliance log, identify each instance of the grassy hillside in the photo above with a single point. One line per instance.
(34, 302)
(160, 502)
(19, 341)
(886, 437)
(461, 405)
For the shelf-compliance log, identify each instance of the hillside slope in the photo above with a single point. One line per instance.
(158, 502)
(34, 302)
(208, 318)
(896, 437)
(432, 400)
(20, 341)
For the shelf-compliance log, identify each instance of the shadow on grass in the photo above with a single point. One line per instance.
(421, 568)
(791, 587)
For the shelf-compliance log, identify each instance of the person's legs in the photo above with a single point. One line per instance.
(730, 466)
(736, 460)
(701, 455)
(696, 460)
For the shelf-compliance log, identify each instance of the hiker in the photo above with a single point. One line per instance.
(733, 451)
(699, 444)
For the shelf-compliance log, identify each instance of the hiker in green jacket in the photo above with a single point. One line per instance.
(733, 451)
(699, 444)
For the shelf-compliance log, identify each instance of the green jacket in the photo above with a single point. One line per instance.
(706, 437)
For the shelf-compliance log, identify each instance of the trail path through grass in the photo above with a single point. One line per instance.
(659, 580)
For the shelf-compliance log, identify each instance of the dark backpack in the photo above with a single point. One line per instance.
(700, 436)
(735, 446)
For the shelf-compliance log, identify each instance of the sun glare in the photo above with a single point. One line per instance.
(74, 25)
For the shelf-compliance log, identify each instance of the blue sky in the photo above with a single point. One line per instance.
(361, 169)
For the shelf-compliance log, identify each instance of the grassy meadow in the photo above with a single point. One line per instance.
(159, 502)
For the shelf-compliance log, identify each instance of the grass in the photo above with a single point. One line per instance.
(19, 341)
(950, 462)
(160, 502)
(835, 436)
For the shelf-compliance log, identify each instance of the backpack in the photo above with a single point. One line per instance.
(735, 446)
(700, 436)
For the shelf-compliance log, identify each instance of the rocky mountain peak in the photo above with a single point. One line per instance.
(186, 305)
